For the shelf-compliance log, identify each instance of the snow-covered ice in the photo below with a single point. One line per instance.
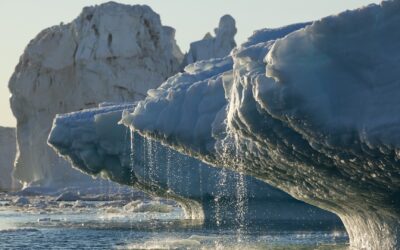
(313, 113)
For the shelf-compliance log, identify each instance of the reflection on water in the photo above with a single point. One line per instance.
(127, 221)
(227, 241)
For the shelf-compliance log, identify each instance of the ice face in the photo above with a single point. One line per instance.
(94, 143)
(7, 155)
(313, 113)
(110, 52)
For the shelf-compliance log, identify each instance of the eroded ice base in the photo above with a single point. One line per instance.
(94, 142)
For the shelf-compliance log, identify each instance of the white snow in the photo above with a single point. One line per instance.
(313, 113)
(110, 52)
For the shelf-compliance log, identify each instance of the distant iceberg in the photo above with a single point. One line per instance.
(314, 113)
(216, 46)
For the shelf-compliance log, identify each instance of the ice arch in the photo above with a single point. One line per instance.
(94, 143)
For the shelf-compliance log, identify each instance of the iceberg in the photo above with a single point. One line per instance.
(216, 46)
(313, 113)
(109, 53)
(94, 142)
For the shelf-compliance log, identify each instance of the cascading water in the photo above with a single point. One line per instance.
(219, 198)
(147, 175)
(241, 195)
(150, 161)
(169, 165)
(132, 156)
(153, 175)
(179, 175)
(241, 205)
(132, 162)
(239, 200)
(223, 197)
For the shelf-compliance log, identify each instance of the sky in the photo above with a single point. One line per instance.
(22, 20)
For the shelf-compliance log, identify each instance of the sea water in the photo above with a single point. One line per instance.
(122, 219)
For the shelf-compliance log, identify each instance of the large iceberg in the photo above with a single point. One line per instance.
(8, 150)
(94, 142)
(110, 52)
(314, 113)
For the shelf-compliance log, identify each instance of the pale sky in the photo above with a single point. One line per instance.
(21, 20)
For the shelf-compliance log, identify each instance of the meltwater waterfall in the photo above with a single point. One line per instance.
(95, 144)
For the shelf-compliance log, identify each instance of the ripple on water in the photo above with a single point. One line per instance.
(222, 242)
(134, 225)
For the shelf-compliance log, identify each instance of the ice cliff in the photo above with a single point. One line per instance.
(111, 52)
(94, 142)
(216, 46)
(314, 113)
(8, 150)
